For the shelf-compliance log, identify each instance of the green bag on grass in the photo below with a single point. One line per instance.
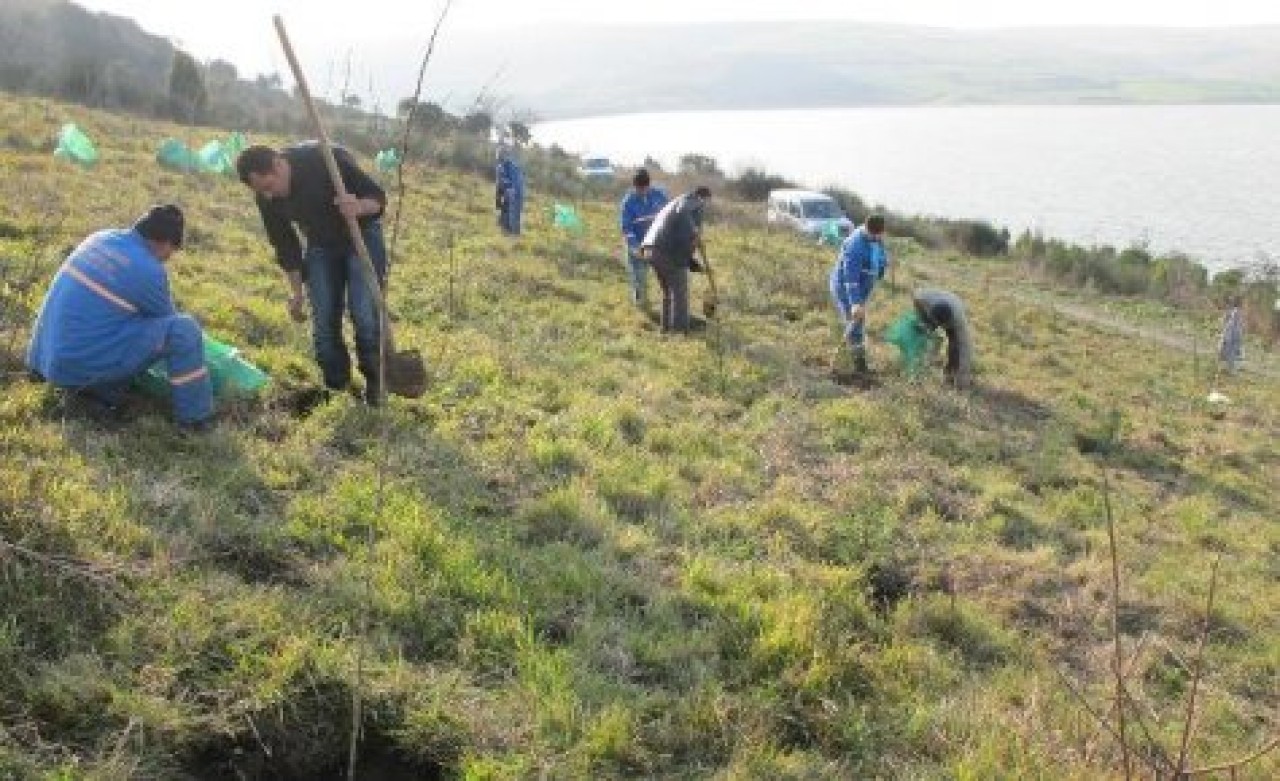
(231, 375)
(913, 339)
(213, 159)
(176, 156)
(566, 217)
(387, 160)
(75, 146)
(830, 234)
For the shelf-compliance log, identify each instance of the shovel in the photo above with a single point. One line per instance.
(402, 371)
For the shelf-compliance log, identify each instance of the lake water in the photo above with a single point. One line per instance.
(1204, 180)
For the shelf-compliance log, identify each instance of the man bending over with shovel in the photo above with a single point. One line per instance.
(670, 245)
(293, 186)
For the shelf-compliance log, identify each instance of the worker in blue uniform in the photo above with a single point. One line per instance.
(109, 315)
(861, 263)
(509, 192)
(639, 207)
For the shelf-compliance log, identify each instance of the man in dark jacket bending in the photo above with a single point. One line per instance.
(293, 186)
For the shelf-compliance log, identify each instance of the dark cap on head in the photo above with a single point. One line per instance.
(641, 179)
(161, 223)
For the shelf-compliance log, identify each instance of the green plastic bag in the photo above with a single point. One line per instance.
(75, 146)
(231, 375)
(213, 159)
(913, 339)
(387, 160)
(830, 234)
(176, 156)
(234, 145)
(566, 217)
(219, 157)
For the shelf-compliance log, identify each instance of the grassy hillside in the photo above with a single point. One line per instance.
(592, 551)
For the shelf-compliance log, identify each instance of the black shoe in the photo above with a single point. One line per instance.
(198, 427)
(860, 362)
(82, 403)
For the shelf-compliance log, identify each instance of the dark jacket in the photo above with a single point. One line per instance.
(676, 227)
(310, 204)
(943, 309)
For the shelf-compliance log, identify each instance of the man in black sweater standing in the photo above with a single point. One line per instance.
(293, 186)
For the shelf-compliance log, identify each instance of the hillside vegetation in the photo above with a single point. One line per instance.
(593, 551)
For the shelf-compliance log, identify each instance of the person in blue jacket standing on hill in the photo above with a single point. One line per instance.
(861, 263)
(509, 194)
(639, 207)
(109, 315)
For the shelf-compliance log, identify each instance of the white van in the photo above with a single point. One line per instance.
(596, 167)
(806, 211)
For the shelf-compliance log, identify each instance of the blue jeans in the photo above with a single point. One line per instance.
(637, 276)
(335, 280)
(854, 332)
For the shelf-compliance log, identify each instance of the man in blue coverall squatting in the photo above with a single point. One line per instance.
(509, 195)
(861, 263)
(109, 315)
(639, 206)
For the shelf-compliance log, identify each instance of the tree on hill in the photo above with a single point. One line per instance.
(694, 164)
(187, 94)
(478, 123)
(520, 133)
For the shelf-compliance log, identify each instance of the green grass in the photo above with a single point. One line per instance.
(604, 553)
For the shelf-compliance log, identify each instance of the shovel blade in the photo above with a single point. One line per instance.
(406, 374)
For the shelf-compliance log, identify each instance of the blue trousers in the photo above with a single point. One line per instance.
(336, 281)
(509, 217)
(182, 350)
(854, 332)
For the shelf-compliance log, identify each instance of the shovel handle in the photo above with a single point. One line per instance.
(711, 277)
(331, 163)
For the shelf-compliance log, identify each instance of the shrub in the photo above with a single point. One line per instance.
(754, 184)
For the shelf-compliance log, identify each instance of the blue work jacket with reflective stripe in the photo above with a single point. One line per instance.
(637, 213)
(104, 316)
(861, 262)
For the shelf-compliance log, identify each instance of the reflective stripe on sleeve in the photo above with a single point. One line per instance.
(97, 287)
(191, 376)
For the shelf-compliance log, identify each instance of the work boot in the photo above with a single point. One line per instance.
(860, 361)
(206, 425)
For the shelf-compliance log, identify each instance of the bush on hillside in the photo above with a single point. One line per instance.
(754, 184)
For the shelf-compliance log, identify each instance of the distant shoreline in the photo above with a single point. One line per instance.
(1043, 167)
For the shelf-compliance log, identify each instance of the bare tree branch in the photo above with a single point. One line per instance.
(1117, 660)
(408, 128)
(1266, 748)
(1097, 717)
(1197, 671)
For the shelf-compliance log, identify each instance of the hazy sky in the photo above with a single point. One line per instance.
(240, 30)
